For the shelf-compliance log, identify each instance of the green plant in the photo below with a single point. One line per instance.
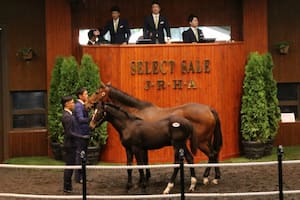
(89, 78)
(54, 107)
(273, 111)
(254, 116)
(282, 44)
(64, 81)
(66, 78)
(25, 53)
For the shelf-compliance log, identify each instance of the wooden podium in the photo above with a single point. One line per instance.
(174, 74)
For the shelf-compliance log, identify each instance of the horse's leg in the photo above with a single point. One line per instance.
(190, 159)
(213, 158)
(129, 155)
(217, 169)
(175, 171)
(140, 159)
(148, 173)
(205, 149)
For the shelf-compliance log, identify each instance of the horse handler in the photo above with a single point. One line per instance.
(82, 119)
(71, 134)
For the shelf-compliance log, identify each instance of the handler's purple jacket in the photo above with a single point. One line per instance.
(82, 118)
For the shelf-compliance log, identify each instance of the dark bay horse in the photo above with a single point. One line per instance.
(139, 136)
(205, 120)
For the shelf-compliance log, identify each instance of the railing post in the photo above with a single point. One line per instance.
(279, 158)
(181, 157)
(83, 166)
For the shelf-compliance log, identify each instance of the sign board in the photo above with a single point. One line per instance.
(287, 117)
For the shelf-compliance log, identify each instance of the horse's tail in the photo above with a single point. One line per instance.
(217, 141)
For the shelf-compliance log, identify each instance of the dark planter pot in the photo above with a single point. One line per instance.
(268, 147)
(93, 155)
(253, 150)
(57, 150)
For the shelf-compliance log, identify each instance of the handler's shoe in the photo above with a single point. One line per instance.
(67, 190)
(79, 181)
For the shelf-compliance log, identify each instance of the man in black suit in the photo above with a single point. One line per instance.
(71, 134)
(95, 38)
(155, 24)
(117, 27)
(193, 34)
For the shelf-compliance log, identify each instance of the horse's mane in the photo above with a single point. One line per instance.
(129, 115)
(126, 99)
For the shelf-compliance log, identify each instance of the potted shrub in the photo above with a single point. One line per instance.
(54, 111)
(273, 112)
(283, 47)
(89, 78)
(259, 109)
(66, 78)
(64, 81)
(25, 53)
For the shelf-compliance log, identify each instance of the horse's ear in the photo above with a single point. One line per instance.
(108, 84)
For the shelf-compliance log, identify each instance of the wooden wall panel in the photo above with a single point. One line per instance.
(221, 88)
(24, 23)
(25, 28)
(288, 134)
(58, 32)
(284, 26)
(28, 143)
(1, 95)
(255, 25)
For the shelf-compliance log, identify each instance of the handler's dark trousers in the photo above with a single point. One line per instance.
(70, 154)
(81, 145)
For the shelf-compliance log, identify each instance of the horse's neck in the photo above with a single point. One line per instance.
(118, 119)
(121, 98)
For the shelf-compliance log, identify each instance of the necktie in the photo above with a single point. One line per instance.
(115, 25)
(196, 34)
(156, 21)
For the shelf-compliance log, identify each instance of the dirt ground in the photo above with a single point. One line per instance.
(112, 182)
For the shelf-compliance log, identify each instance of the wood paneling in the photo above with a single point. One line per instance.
(58, 32)
(25, 28)
(28, 143)
(1, 99)
(285, 26)
(220, 88)
(288, 134)
(255, 25)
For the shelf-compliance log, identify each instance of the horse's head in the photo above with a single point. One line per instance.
(99, 115)
(101, 95)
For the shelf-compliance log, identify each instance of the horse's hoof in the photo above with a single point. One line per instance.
(205, 181)
(191, 189)
(168, 188)
(193, 184)
(215, 181)
(166, 191)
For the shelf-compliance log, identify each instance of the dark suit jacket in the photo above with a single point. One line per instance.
(100, 40)
(189, 36)
(82, 118)
(123, 32)
(149, 30)
(71, 130)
